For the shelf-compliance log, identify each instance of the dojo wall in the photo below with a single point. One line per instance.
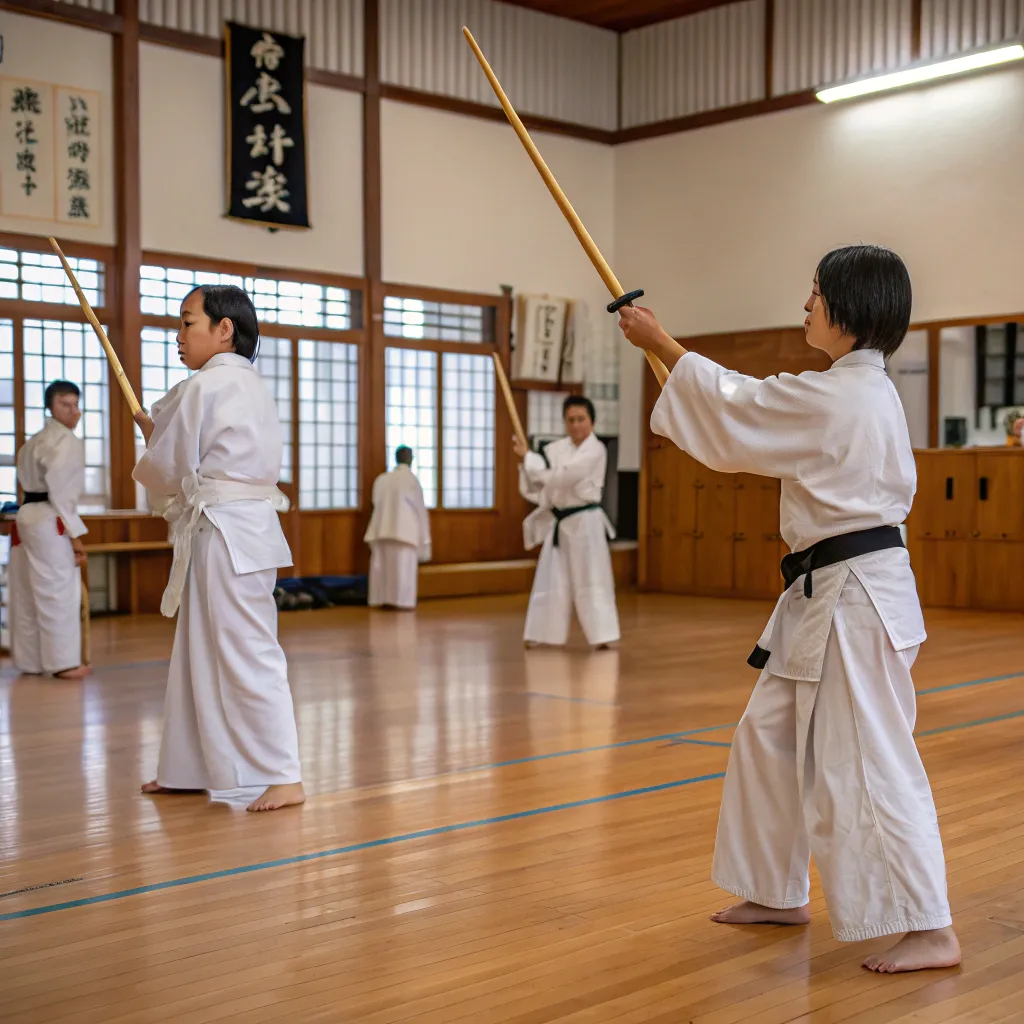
(183, 187)
(723, 226)
(45, 51)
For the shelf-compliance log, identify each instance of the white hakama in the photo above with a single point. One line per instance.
(824, 762)
(394, 574)
(229, 722)
(576, 572)
(399, 539)
(44, 584)
(213, 463)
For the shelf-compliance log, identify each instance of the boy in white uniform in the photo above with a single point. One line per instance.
(212, 462)
(398, 535)
(44, 574)
(824, 759)
(574, 570)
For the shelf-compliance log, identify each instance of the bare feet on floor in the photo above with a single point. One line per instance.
(918, 951)
(276, 797)
(81, 672)
(154, 788)
(754, 913)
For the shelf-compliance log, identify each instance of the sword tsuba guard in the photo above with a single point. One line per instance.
(624, 300)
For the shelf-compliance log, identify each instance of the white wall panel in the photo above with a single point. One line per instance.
(819, 42)
(953, 26)
(548, 66)
(333, 28)
(702, 62)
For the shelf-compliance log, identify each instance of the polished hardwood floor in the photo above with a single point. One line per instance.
(492, 834)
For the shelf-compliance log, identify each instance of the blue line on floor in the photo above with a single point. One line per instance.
(699, 743)
(358, 847)
(971, 682)
(969, 725)
(515, 816)
(589, 750)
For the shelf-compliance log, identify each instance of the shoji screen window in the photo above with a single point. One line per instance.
(53, 350)
(39, 277)
(467, 390)
(328, 424)
(410, 413)
(8, 437)
(274, 364)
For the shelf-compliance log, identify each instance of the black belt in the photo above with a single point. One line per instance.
(829, 551)
(564, 513)
(34, 497)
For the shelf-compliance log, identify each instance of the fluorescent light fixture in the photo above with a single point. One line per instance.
(923, 73)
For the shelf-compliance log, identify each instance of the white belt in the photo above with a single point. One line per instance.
(185, 510)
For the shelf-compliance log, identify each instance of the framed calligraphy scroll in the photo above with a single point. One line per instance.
(27, 182)
(266, 127)
(540, 337)
(50, 146)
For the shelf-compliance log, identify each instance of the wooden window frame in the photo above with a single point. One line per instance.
(501, 345)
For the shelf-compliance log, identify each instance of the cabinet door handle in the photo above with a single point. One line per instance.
(976, 534)
(949, 488)
(983, 488)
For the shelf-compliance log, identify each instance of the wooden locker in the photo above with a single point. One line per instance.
(757, 536)
(714, 551)
(670, 548)
(1000, 496)
(943, 569)
(943, 507)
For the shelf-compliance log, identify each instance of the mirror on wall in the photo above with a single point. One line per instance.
(981, 383)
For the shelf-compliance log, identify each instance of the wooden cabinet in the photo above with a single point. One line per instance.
(966, 529)
(710, 533)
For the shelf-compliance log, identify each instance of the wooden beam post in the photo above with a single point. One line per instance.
(934, 381)
(769, 47)
(373, 443)
(915, 29)
(123, 299)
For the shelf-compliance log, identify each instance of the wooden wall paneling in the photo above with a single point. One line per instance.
(757, 536)
(670, 546)
(943, 507)
(70, 14)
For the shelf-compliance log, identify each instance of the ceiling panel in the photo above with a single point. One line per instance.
(620, 15)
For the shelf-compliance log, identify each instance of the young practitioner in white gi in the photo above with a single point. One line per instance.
(398, 535)
(824, 759)
(575, 565)
(44, 574)
(212, 461)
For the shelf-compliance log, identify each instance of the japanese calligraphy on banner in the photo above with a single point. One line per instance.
(266, 125)
(540, 337)
(49, 141)
(77, 155)
(27, 183)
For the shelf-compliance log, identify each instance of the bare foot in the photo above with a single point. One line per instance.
(754, 913)
(154, 788)
(918, 951)
(276, 797)
(81, 672)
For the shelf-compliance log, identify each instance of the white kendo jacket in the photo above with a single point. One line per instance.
(399, 511)
(53, 462)
(564, 477)
(216, 451)
(838, 441)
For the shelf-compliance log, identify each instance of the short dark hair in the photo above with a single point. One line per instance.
(59, 387)
(403, 455)
(228, 301)
(579, 401)
(867, 295)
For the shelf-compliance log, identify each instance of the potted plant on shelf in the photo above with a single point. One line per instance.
(1014, 423)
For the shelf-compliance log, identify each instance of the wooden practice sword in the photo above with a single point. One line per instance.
(619, 299)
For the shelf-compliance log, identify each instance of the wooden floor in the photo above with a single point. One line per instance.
(492, 835)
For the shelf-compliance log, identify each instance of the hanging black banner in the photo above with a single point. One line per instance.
(266, 126)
